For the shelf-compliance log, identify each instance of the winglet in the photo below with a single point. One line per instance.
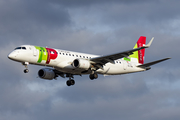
(149, 44)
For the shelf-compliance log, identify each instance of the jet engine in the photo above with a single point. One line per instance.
(81, 64)
(46, 73)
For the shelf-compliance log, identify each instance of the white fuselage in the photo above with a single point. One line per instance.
(64, 59)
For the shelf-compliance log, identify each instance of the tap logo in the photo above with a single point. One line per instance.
(46, 54)
(139, 55)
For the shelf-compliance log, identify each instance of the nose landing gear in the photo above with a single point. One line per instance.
(26, 71)
(26, 66)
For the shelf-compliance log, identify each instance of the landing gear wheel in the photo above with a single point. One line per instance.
(70, 82)
(93, 76)
(26, 71)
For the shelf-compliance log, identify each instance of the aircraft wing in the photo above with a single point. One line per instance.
(152, 63)
(110, 58)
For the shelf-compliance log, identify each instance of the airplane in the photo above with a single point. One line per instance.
(67, 63)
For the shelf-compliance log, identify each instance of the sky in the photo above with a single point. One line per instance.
(99, 27)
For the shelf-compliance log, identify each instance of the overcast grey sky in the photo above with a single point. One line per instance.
(97, 27)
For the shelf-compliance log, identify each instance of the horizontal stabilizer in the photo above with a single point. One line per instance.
(152, 63)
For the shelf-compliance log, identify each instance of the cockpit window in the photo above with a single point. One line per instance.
(24, 48)
(17, 48)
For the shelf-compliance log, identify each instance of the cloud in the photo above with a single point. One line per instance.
(30, 20)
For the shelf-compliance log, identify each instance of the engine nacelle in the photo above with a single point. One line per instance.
(46, 73)
(81, 64)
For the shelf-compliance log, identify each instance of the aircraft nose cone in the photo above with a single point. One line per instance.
(11, 56)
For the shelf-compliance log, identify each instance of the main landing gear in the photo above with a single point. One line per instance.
(70, 81)
(26, 66)
(93, 75)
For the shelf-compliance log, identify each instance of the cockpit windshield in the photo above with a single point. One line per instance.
(24, 48)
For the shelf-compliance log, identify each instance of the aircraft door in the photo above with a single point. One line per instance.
(124, 65)
(35, 52)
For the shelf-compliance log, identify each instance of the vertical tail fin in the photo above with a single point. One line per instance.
(138, 56)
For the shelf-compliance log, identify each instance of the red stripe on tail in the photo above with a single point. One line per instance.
(141, 53)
